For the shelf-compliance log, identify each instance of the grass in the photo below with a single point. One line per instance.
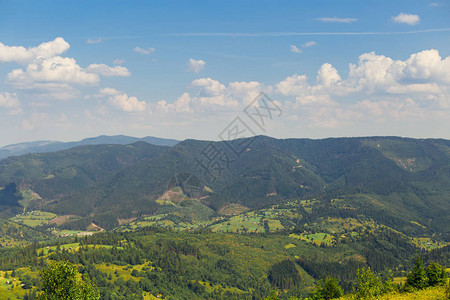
(254, 221)
(28, 196)
(65, 233)
(11, 291)
(289, 246)
(34, 218)
(435, 293)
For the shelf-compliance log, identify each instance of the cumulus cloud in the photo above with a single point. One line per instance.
(337, 20)
(294, 85)
(181, 105)
(378, 88)
(295, 49)
(246, 92)
(327, 75)
(425, 71)
(209, 87)
(122, 101)
(119, 61)
(380, 73)
(8, 100)
(22, 55)
(210, 95)
(195, 66)
(406, 19)
(48, 74)
(145, 51)
(52, 70)
(108, 71)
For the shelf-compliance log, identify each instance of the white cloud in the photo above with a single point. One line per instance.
(119, 61)
(309, 44)
(377, 73)
(145, 51)
(422, 71)
(245, 92)
(209, 87)
(52, 70)
(294, 49)
(337, 20)
(22, 55)
(406, 19)
(122, 101)
(47, 74)
(195, 66)
(108, 71)
(209, 95)
(294, 85)
(327, 75)
(109, 91)
(428, 66)
(435, 4)
(97, 41)
(378, 89)
(181, 105)
(8, 100)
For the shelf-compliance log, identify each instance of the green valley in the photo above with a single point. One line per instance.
(146, 222)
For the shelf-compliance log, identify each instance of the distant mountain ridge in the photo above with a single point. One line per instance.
(52, 146)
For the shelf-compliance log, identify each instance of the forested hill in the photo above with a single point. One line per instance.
(51, 146)
(408, 179)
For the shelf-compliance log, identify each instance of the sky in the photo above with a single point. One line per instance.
(189, 69)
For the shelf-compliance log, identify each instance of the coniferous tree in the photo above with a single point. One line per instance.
(417, 278)
(326, 289)
(436, 274)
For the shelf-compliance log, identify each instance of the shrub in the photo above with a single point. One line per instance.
(369, 285)
(436, 274)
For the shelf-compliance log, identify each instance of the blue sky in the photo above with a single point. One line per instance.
(186, 69)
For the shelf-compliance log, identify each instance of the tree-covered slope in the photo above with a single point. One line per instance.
(55, 175)
(408, 179)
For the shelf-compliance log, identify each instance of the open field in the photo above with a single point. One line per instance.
(34, 218)
(433, 293)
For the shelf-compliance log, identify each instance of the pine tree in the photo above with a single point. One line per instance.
(417, 278)
(331, 288)
(327, 289)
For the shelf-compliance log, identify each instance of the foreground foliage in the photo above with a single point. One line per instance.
(60, 281)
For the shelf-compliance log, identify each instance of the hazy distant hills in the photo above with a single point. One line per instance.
(51, 146)
(403, 183)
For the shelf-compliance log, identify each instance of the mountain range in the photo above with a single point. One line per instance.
(51, 146)
(407, 180)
